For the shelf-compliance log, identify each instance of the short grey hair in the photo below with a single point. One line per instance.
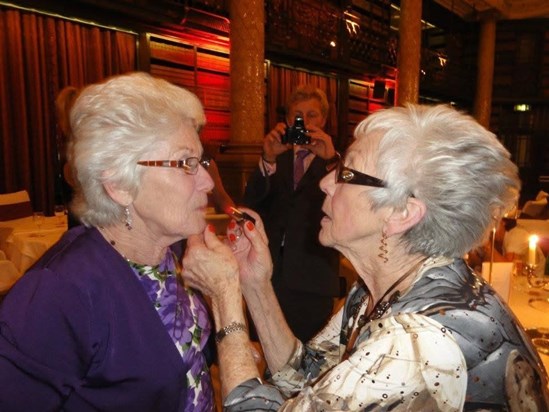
(447, 160)
(115, 123)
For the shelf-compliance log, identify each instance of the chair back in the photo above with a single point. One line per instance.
(15, 205)
(534, 208)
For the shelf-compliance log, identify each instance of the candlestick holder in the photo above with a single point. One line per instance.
(535, 280)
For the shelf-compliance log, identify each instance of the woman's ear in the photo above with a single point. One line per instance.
(120, 196)
(402, 220)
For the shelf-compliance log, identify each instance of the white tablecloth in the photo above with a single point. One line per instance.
(530, 306)
(24, 242)
(535, 226)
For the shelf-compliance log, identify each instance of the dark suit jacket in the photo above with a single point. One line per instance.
(295, 217)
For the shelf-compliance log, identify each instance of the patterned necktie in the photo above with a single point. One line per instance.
(299, 165)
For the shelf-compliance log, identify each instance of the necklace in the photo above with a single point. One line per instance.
(106, 234)
(112, 242)
(156, 279)
(378, 310)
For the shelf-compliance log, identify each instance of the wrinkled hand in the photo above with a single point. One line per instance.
(209, 265)
(250, 246)
(321, 143)
(272, 144)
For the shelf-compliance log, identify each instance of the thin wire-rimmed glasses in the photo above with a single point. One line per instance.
(189, 165)
(345, 174)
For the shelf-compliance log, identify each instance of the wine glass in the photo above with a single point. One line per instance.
(540, 282)
(60, 211)
(38, 218)
(536, 277)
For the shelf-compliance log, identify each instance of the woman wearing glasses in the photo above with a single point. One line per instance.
(417, 189)
(102, 322)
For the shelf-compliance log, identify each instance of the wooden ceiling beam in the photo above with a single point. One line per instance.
(507, 9)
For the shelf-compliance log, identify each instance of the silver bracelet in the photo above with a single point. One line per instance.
(230, 328)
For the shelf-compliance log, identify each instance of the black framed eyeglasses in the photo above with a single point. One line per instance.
(189, 165)
(345, 174)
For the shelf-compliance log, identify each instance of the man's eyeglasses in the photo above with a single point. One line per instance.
(345, 174)
(189, 165)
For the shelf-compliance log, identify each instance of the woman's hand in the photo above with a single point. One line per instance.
(210, 266)
(251, 248)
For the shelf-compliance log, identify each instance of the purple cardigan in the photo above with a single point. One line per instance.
(79, 333)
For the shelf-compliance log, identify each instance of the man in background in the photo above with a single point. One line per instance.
(284, 190)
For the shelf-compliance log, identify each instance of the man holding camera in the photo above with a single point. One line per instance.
(285, 191)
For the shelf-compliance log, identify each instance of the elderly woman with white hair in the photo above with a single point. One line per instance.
(417, 189)
(101, 321)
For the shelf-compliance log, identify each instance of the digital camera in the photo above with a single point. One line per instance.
(296, 134)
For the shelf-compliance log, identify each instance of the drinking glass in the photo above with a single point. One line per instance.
(38, 218)
(540, 283)
(520, 282)
(537, 279)
(60, 211)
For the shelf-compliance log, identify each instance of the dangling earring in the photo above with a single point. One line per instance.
(383, 247)
(127, 218)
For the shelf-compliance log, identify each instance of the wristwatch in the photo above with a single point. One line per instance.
(230, 328)
(265, 160)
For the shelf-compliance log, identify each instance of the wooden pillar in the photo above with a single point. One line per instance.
(247, 76)
(485, 71)
(409, 52)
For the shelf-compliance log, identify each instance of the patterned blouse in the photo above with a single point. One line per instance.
(186, 319)
(447, 344)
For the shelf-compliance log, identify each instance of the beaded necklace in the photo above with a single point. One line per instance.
(161, 275)
(378, 310)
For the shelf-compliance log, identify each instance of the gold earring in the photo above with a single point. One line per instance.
(383, 247)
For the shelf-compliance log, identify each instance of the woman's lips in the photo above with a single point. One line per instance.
(325, 219)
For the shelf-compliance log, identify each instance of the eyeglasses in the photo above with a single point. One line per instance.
(189, 165)
(345, 174)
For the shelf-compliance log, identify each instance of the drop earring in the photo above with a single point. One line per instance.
(383, 247)
(127, 218)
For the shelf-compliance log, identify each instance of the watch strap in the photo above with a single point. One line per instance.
(230, 328)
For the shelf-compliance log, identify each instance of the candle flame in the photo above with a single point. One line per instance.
(532, 240)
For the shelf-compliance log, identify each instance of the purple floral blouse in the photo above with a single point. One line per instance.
(186, 319)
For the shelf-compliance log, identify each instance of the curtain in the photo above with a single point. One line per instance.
(39, 56)
(282, 81)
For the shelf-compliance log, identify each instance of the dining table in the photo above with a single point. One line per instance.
(531, 307)
(539, 227)
(25, 240)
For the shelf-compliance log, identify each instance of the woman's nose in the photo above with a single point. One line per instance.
(327, 183)
(205, 180)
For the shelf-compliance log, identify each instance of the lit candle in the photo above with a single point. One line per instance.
(533, 241)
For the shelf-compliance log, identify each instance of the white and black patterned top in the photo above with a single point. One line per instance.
(449, 343)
